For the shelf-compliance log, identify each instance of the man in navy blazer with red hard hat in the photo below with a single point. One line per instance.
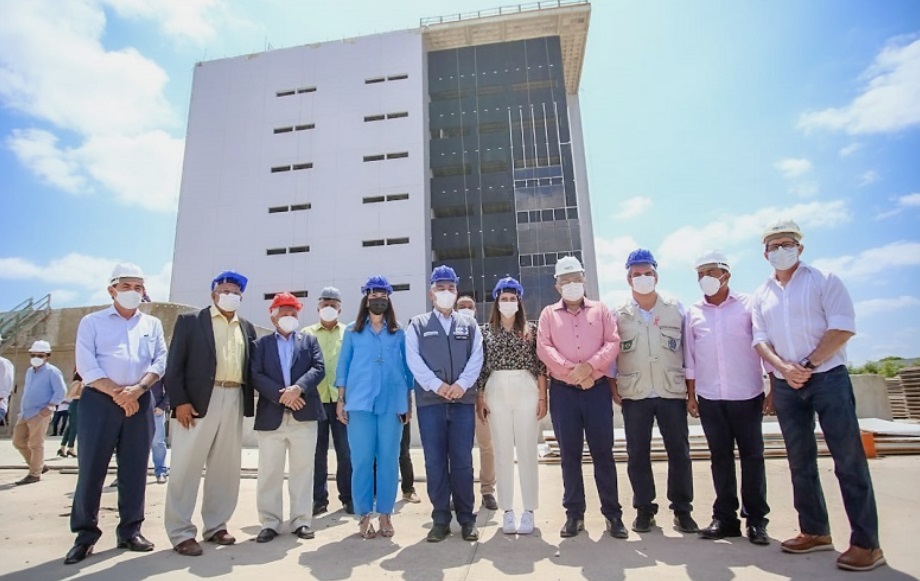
(286, 369)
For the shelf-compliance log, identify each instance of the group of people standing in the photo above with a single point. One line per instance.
(656, 359)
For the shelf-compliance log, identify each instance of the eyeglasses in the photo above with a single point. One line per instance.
(783, 245)
(39, 355)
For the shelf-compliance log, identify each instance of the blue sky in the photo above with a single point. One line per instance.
(703, 122)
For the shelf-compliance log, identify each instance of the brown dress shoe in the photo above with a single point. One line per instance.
(806, 543)
(221, 537)
(860, 559)
(189, 548)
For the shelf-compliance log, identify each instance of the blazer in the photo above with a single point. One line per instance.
(192, 363)
(307, 371)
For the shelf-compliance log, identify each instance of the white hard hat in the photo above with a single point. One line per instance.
(40, 347)
(716, 257)
(782, 227)
(568, 265)
(126, 270)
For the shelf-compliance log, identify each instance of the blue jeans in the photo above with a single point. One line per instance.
(830, 395)
(342, 458)
(158, 445)
(374, 439)
(447, 431)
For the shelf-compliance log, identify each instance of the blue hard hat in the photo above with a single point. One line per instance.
(641, 256)
(377, 282)
(230, 276)
(444, 273)
(507, 284)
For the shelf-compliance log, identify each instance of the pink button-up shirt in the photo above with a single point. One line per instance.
(718, 352)
(565, 339)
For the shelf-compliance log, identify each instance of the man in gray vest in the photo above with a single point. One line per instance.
(648, 381)
(444, 353)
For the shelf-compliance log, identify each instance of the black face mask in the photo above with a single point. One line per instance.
(378, 306)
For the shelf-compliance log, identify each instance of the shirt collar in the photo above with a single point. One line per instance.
(585, 304)
(111, 311)
(318, 327)
(732, 296)
(216, 313)
(281, 337)
(441, 316)
(802, 266)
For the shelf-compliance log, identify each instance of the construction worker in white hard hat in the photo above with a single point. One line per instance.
(121, 353)
(802, 321)
(44, 391)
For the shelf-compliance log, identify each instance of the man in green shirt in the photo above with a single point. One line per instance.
(329, 332)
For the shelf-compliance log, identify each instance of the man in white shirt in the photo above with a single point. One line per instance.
(802, 319)
(7, 378)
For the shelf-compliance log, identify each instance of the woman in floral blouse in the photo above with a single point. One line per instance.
(512, 396)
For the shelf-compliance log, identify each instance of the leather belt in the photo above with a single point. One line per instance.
(227, 384)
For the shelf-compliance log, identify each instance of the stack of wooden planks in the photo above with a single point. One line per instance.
(910, 383)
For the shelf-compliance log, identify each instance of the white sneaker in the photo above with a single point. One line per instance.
(508, 523)
(526, 526)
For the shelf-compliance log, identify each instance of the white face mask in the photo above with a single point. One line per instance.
(328, 314)
(37, 361)
(644, 284)
(445, 299)
(229, 302)
(710, 285)
(287, 324)
(573, 291)
(782, 259)
(469, 312)
(508, 309)
(128, 299)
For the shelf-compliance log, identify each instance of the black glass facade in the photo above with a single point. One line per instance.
(502, 181)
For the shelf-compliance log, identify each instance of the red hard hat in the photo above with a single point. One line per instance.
(285, 300)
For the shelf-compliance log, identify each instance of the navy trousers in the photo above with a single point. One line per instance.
(579, 415)
(406, 471)
(103, 430)
(447, 431)
(638, 418)
(342, 458)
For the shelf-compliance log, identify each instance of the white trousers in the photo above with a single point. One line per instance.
(215, 441)
(295, 442)
(512, 399)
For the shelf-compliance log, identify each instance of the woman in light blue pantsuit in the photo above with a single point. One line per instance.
(374, 385)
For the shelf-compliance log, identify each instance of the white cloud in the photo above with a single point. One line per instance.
(682, 246)
(872, 260)
(875, 306)
(850, 149)
(901, 203)
(188, 19)
(888, 102)
(793, 167)
(868, 178)
(611, 255)
(110, 104)
(632, 207)
(805, 189)
(78, 277)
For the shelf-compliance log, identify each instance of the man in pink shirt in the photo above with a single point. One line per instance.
(577, 340)
(725, 389)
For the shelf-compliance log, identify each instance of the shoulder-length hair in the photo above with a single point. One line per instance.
(389, 316)
(520, 317)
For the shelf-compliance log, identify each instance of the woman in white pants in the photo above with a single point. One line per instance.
(512, 398)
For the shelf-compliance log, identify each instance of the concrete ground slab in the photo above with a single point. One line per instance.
(35, 536)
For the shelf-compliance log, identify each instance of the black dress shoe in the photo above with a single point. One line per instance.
(77, 553)
(349, 507)
(136, 543)
(469, 532)
(718, 529)
(757, 534)
(438, 533)
(617, 529)
(320, 508)
(489, 502)
(685, 523)
(304, 532)
(266, 535)
(644, 522)
(572, 527)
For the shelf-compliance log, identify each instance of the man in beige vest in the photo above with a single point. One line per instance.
(648, 381)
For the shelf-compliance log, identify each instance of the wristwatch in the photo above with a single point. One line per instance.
(807, 364)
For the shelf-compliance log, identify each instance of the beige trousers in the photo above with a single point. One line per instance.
(295, 442)
(215, 442)
(29, 439)
(486, 457)
(512, 399)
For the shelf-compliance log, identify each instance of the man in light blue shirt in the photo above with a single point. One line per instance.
(444, 353)
(120, 354)
(43, 392)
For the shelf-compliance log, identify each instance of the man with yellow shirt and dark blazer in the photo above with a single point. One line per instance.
(207, 382)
